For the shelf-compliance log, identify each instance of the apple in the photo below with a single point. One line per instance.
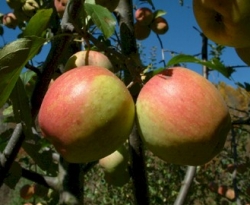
(141, 31)
(27, 191)
(159, 25)
(222, 189)
(30, 7)
(144, 16)
(230, 194)
(60, 6)
(244, 54)
(15, 4)
(224, 22)
(115, 167)
(109, 4)
(90, 57)
(10, 20)
(87, 113)
(182, 117)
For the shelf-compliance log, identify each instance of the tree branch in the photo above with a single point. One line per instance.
(138, 171)
(190, 173)
(10, 152)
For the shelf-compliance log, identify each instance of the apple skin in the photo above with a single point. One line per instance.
(90, 57)
(27, 191)
(144, 16)
(60, 6)
(224, 22)
(141, 31)
(244, 54)
(159, 25)
(87, 113)
(115, 167)
(182, 117)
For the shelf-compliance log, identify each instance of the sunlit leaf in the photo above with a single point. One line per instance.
(102, 18)
(38, 23)
(214, 64)
(13, 57)
(158, 13)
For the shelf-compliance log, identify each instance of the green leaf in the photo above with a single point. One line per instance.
(38, 23)
(213, 64)
(158, 13)
(13, 58)
(102, 18)
(29, 80)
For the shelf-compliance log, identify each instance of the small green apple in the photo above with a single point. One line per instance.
(115, 167)
(90, 57)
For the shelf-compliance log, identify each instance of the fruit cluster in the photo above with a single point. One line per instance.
(146, 21)
(88, 113)
(23, 10)
(226, 23)
(60, 5)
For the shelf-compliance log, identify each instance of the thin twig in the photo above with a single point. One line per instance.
(10, 152)
(190, 173)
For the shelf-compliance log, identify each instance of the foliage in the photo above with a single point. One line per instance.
(32, 159)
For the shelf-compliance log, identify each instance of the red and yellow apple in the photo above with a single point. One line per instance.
(90, 57)
(27, 191)
(182, 117)
(224, 22)
(159, 25)
(144, 16)
(60, 6)
(244, 54)
(87, 113)
(115, 167)
(10, 20)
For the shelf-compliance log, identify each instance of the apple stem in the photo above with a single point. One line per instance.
(137, 169)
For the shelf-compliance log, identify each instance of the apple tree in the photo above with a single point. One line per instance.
(93, 106)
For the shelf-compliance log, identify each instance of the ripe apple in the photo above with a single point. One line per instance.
(230, 194)
(60, 6)
(115, 167)
(144, 16)
(27, 191)
(82, 58)
(87, 113)
(244, 54)
(109, 4)
(10, 20)
(225, 22)
(159, 25)
(182, 117)
(222, 190)
(141, 31)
